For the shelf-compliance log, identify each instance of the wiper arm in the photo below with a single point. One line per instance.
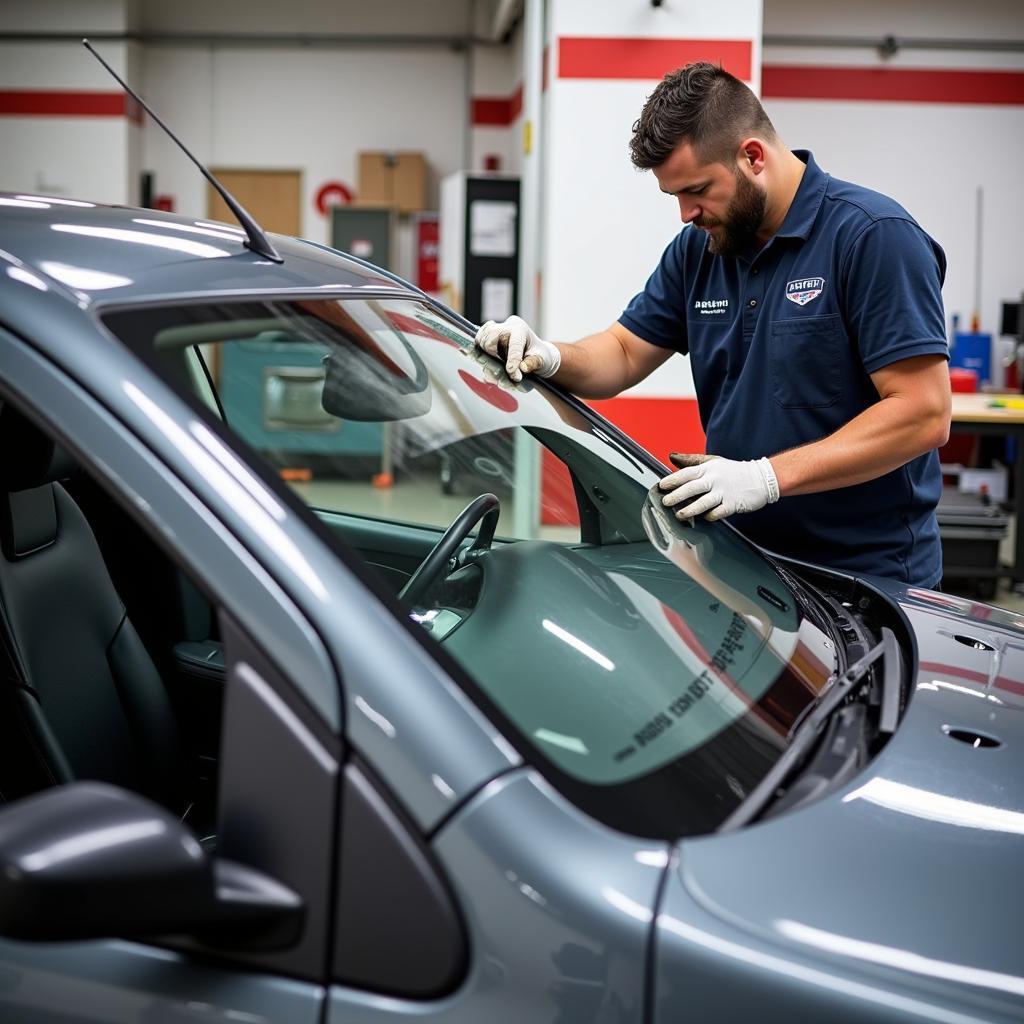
(808, 732)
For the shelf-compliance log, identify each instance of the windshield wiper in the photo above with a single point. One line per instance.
(807, 735)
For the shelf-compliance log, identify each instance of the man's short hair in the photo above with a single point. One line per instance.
(702, 104)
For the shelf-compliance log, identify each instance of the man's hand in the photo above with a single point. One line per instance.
(523, 352)
(716, 488)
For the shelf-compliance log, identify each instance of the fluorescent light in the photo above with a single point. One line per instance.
(902, 959)
(50, 201)
(575, 642)
(573, 743)
(949, 810)
(83, 277)
(169, 225)
(185, 245)
(28, 204)
(26, 277)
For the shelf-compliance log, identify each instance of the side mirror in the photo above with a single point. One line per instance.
(90, 861)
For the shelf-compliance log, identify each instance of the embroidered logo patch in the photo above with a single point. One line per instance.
(711, 307)
(805, 289)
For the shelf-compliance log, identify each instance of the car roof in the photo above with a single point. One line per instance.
(92, 253)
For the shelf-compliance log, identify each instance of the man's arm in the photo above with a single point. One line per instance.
(603, 365)
(598, 366)
(911, 418)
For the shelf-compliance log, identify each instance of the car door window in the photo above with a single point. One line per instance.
(254, 767)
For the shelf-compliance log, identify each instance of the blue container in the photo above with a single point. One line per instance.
(973, 352)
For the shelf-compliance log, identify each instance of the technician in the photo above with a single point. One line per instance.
(812, 314)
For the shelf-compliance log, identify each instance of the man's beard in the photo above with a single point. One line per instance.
(742, 220)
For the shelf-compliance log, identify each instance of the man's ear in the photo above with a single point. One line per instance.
(752, 152)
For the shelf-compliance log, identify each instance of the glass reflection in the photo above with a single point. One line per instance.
(901, 959)
(27, 277)
(626, 649)
(184, 245)
(947, 810)
(83, 277)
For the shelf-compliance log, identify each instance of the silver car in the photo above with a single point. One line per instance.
(347, 682)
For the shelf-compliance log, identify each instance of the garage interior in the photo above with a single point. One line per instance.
(375, 127)
(346, 678)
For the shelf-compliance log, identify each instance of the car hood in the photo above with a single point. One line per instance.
(914, 865)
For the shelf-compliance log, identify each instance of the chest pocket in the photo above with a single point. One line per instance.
(807, 358)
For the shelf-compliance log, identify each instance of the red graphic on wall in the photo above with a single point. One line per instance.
(332, 193)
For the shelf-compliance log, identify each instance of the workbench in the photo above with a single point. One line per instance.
(975, 414)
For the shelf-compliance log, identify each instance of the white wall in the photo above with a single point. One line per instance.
(495, 72)
(606, 222)
(312, 17)
(931, 157)
(297, 109)
(313, 108)
(88, 157)
(310, 108)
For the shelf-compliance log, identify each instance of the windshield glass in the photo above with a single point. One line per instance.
(652, 670)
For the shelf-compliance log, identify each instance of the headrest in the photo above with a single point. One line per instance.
(28, 458)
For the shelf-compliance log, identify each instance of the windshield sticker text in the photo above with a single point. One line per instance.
(725, 655)
(662, 721)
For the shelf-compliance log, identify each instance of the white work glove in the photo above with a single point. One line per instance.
(523, 352)
(716, 487)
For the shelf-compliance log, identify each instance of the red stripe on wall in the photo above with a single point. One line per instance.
(590, 57)
(491, 111)
(46, 103)
(495, 111)
(895, 85)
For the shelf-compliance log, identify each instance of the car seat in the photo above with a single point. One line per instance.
(88, 699)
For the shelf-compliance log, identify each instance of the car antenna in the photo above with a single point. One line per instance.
(256, 240)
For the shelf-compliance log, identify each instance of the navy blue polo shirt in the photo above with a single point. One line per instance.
(782, 343)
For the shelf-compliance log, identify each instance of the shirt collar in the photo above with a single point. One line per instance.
(807, 201)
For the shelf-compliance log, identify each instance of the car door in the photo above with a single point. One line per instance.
(280, 752)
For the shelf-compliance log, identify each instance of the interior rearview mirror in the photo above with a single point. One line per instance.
(362, 382)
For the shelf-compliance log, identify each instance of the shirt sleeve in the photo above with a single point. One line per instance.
(658, 313)
(894, 275)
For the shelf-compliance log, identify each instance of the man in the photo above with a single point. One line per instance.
(812, 314)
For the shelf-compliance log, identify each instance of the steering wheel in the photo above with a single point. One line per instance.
(486, 508)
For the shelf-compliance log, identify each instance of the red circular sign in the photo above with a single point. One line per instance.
(333, 193)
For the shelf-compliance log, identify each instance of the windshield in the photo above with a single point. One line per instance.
(652, 670)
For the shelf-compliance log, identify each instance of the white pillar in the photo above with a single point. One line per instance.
(605, 223)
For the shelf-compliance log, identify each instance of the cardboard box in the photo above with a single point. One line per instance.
(395, 179)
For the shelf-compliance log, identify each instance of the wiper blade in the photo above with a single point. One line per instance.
(809, 731)
(888, 650)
